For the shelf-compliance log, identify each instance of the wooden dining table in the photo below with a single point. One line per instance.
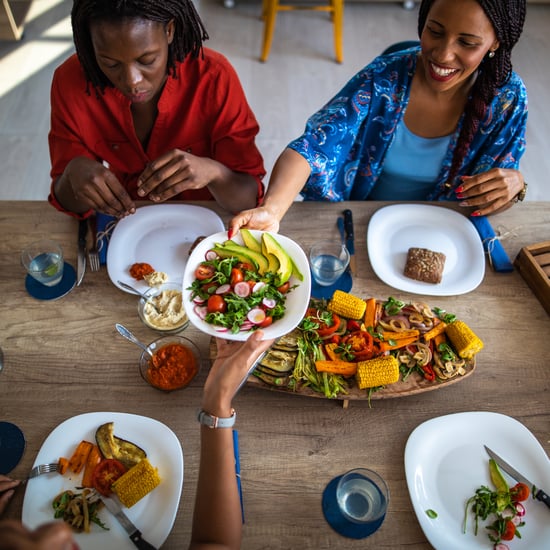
(64, 357)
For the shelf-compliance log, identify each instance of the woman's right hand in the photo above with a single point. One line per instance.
(87, 184)
(55, 535)
(256, 218)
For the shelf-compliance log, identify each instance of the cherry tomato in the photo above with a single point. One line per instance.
(283, 289)
(204, 271)
(236, 276)
(519, 492)
(266, 322)
(244, 266)
(105, 474)
(216, 304)
(509, 530)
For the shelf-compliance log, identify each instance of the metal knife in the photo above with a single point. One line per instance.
(341, 228)
(350, 243)
(81, 256)
(539, 494)
(135, 534)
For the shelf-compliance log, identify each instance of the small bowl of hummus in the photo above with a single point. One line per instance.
(162, 309)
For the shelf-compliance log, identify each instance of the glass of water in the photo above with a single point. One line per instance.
(329, 260)
(362, 496)
(43, 261)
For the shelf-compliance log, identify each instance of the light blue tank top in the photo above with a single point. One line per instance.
(411, 166)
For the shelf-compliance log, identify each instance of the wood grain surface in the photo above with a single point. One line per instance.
(64, 357)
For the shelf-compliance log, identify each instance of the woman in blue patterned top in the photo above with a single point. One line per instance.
(443, 121)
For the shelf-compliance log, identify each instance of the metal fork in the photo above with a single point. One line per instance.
(93, 254)
(42, 469)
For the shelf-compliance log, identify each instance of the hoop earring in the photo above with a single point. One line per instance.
(491, 54)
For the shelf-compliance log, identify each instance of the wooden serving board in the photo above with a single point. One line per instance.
(413, 385)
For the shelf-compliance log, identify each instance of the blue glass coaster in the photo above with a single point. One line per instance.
(12, 445)
(43, 292)
(344, 283)
(338, 522)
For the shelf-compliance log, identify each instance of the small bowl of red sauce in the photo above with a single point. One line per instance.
(176, 361)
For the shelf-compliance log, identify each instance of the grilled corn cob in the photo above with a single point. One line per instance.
(347, 305)
(137, 482)
(379, 371)
(463, 339)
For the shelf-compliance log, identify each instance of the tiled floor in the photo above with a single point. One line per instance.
(299, 77)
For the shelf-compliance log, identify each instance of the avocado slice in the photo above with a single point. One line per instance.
(271, 246)
(244, 254)
(250, 241)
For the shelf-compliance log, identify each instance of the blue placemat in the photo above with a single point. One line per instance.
(12, 446)
(344, 283)
(43, 292)
(105, 226)
(338, 522)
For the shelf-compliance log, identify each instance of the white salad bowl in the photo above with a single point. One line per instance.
(297, 300)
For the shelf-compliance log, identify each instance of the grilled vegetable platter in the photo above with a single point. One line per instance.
(351, 348)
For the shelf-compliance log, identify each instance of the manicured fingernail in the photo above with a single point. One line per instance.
(229, 233)
(459, 196)
(476, 213)
(463, 203)
(465, 177)
(141, 192)
(459, 189)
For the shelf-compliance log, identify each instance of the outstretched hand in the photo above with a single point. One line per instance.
(256, 218)
(50, 536)
(232, 364)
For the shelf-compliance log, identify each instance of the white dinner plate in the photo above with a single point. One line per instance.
(445, 462)
(160, 235)
(297, 300)
(153, 515)
(394, 229)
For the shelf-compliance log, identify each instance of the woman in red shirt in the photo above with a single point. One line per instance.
(143, 111)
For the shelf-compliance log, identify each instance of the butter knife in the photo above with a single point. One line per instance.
(350, 242)
(134, 533)
(81, 254)
(539, 494)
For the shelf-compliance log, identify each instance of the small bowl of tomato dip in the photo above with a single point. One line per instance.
(176, 361)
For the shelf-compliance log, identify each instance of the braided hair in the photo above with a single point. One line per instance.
(189, 30)
(507, 18)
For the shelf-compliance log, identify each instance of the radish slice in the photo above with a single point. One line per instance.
(256, 315)
(223, 289)
(258, 286)
(242, 289)
(201, 311)
(246, 325)
(210, 255)
(520, 509)
(269, 303)
(501, 546)
(198, 300)
(221, 329)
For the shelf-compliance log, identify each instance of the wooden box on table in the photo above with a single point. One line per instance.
(533, 263)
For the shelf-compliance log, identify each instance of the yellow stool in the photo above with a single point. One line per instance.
(270, 8)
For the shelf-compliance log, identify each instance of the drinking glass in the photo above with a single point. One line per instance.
(43, 260)
(329, 260)
(362, 496)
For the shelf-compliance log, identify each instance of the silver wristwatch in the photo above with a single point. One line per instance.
(212, 421)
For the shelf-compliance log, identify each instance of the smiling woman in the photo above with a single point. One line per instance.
(143, 111)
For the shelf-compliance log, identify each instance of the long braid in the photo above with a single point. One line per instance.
(189, 32)
(507, 18)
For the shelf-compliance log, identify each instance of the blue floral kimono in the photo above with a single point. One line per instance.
(346, 141)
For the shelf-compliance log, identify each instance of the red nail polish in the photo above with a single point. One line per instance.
(459, 189)
(229, 233)
(459, 196)
(476, 213)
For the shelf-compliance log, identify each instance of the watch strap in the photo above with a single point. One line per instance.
(211, 421)
(521, 195)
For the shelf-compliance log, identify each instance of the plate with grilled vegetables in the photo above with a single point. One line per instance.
(351, 348)
(126, 438)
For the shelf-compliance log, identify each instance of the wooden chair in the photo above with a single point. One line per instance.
(270, 8)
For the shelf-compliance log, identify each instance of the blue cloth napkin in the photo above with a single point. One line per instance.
(105, 226)
(498, 258)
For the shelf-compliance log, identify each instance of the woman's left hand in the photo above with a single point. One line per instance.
(175, 172)
(490, 192)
